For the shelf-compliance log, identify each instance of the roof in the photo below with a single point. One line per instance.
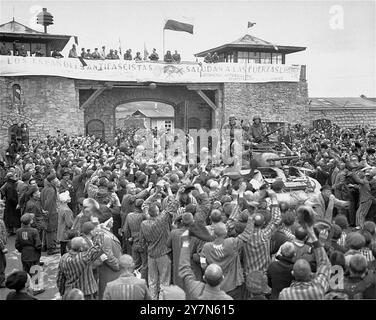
(154, 113)
(14, 30)
(344, 103)
(249, 43)
(16, 27)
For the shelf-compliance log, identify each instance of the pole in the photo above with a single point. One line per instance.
(163, 42)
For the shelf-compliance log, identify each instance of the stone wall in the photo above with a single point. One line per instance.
(273, 101)
(47, 104)
(103, 107)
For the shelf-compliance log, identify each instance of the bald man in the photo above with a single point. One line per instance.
(197, 290)
(225, 252)
(127, 286)
(305, 286)
(75, 268)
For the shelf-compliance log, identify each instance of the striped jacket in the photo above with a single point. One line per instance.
(154, 232)
(75, 271)
(257, 249)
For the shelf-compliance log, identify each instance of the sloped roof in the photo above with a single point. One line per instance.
(154, 113)
(248, 39)
(13, 31)
(16, 27)
(344, 103)
(250, 42)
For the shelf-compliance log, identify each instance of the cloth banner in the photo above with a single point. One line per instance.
(142, 71)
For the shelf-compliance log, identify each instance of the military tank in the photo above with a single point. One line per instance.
(265, 163)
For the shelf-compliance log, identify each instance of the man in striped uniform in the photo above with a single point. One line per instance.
(131, 233)
(127, 286)
(305, 287)
(257, 248)
(154, 234)
(75, 268)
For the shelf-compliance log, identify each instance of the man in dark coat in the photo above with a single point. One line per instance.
(11, 214)
(28, 243)
(48, 199)
(279, 272)
(34, 206)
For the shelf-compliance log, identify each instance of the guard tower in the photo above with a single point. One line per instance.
(249, 49)
(15, 34)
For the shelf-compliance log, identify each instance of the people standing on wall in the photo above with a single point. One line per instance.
(154, 55)
(116, 56)
(208, 58)
(138, 57)
(38, 52)
(4, 51)
(215, 58)
(176, 57)
(168, 57)
(73, 52)
(128, 55)
(96, 55)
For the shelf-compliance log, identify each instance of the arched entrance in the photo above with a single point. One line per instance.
(186, 103)
(95, 127)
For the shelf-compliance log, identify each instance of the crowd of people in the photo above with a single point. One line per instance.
(132, 229)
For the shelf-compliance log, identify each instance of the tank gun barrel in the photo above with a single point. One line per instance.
(284, 158)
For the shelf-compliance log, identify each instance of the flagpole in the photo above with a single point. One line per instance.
(163, 42)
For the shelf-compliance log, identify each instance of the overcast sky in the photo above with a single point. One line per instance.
(340, 62)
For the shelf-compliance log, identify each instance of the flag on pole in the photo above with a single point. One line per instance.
(120, 47)
(176, 25)
(146, 53)
(251, 24)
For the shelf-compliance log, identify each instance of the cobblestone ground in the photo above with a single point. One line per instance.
(50, 268)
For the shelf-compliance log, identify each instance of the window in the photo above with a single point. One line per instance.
(242, 57)
(16, 93)
(168, 125)
(254, 57)
(277, 58)
(265, 57)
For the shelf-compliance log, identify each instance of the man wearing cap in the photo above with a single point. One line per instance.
(34, 206)
(18, 281)
(230, 129)
(306, 286)
(279, 272)
(48, 199)
(324, 203)
(28, 243)
(257, 131)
